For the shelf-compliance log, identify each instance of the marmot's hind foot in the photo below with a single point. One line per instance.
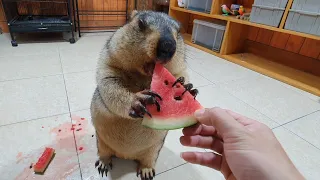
(146, 173)
(102, 167)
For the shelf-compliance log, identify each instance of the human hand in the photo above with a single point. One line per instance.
(246, 149)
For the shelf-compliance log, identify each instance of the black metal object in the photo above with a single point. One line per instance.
(78, 13)
(30, 23)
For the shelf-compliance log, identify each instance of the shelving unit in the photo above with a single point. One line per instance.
(34, 23)
(291, 68)
(92, 19)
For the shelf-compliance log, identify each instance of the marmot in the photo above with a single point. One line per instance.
(123, 78)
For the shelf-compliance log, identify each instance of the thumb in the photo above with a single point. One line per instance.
(218, 118)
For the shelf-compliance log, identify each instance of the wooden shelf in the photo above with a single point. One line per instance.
(294, 60)
(269, 68)
(191, 12)
(239, 21)
(274, 70)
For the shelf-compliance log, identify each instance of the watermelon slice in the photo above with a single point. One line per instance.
(44, 160)
(175, 113)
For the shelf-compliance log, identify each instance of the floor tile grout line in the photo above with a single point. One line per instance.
(80, 110)
(66, 73)
(36, 77)
(302, 138)
(296, 119)
(37, 54)
(35, 119)
(279, 125)
(58, 74)
(221, 82)
(298, 93)
(172, 168)
(212, 83)
(248, 105)
(219, 86)
(74, 136)
(265, 114)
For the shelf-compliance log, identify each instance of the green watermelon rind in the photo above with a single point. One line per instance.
(169, 123)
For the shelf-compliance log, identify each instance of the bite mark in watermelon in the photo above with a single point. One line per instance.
(174, 114)
(44, 160)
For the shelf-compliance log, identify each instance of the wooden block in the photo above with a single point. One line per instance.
(264, 36)
(279, 40)
(310, 48)
(294, 43)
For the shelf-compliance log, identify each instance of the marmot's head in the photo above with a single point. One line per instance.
(148, 38)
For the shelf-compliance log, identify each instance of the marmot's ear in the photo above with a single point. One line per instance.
(133, 14)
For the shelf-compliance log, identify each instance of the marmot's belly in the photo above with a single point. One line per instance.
(129, 138)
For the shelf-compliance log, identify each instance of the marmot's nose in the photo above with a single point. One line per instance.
(166, 49)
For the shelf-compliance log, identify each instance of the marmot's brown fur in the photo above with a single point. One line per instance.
(123, 78)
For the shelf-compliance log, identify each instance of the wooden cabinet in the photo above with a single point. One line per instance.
(3, 21)
(86, 20)
(289, 56)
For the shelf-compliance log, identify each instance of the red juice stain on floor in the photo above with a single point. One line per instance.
(65, 161)
(19, 155)
(61, 166)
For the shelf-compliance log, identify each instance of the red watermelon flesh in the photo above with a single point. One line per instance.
(174, 114)
(44, 160)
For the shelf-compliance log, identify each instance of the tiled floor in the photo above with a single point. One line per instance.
(45, 87)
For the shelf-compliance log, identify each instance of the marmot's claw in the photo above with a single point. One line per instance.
(134, 114)
(102, 168)
(146, 173)
(151, 93)
(187, 87)
(179, 80)
(143, 98)
(194, 93)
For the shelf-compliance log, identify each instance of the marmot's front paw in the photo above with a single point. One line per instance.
(146, 173)
(143, 98)
(188, 87)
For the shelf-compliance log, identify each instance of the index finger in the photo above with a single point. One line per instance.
(220, 119)
(199, 129)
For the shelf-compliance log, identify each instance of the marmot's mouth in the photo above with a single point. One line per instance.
(163, 61)
(148, 68)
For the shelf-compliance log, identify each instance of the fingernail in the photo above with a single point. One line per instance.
(199, 113)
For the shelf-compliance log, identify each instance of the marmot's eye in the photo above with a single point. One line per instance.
(142, 24)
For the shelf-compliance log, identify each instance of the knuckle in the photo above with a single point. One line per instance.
(215, 110)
